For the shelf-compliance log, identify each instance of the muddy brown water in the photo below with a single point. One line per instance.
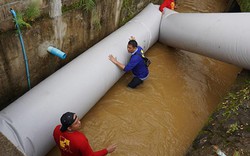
(163, 115)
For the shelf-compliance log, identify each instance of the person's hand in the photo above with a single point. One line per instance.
(215, 148)
(117, 63)
(112, 59)
(111, 148)
(132, 38)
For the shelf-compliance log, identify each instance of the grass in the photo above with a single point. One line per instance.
(21, 22)
(130, 11)
(30, 14)
(235, 99)
(96, 21)
(231, 104)
(86, 5)
(248, 128)
(232, 128)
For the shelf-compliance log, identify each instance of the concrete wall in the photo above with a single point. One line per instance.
(73, 32)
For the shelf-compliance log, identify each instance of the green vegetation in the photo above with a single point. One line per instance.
(248, 128)
(228, 125)
(70, 7)
(244, 5)
(21, 22)
(230, 107)
(96, 21)
(234, 100)
(236, 153)
(232, 128)
(29, 15)
(86, 5)
(32, 12)
(129, 10)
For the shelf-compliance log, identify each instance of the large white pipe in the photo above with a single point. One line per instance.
(223, 36)
(29, 121)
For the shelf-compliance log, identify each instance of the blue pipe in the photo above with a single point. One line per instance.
(23, 49)
(57, 52)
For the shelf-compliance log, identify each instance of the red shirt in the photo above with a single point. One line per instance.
(74, 144)
(167, 3)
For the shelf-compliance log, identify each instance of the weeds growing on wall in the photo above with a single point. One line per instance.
(96, 21)
(29, 15)
(231, 105)
(232, 128)
(86, 5)
(234, 100)
(129, 11)
(21, 22)
(32, 12)
(244, 5)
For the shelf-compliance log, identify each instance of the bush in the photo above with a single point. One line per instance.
(244, 5)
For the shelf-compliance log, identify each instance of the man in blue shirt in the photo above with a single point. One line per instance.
(136, 64)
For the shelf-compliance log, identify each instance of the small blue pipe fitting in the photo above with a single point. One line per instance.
(57, 52)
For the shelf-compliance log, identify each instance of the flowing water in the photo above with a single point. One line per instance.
(55, 8)
(163, 115)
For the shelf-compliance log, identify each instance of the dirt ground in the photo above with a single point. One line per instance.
(8, 147)
(229, 126)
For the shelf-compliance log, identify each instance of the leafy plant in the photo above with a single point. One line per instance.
(96, 21)
(236, 153)
(88, 5)
(233, 127)
(21, 22)
(234, 100)
(129, 9)
(30, 14)
(244, 5)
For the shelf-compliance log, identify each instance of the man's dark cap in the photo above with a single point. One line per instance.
(67, 120)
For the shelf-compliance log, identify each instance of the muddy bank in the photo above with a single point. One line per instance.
(229, 126)
(7, 147)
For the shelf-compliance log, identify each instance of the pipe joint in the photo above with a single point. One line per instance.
(57, 52)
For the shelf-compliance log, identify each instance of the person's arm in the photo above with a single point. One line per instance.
(172, 5)
(86, 149)
(102, 152)
(56, 134)
(109, 149)
(218, 151)
(114, 60)
(134, 60)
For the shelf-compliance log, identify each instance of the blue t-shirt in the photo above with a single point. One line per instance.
(137, 65)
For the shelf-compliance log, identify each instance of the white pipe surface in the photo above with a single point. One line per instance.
(222, 36)
(29, 121)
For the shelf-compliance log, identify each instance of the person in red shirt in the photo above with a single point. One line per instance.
(71, 142)
(170, 4)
